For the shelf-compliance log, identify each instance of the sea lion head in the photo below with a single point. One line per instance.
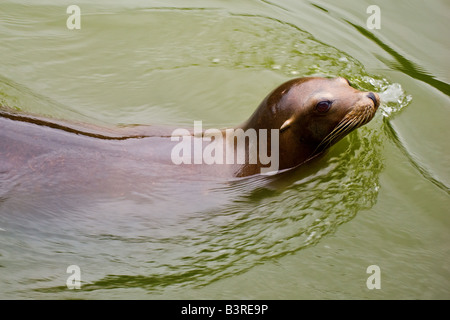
(312, 114)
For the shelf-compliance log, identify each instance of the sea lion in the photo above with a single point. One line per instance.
(301, 119)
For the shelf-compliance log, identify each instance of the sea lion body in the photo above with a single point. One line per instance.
(49, 155)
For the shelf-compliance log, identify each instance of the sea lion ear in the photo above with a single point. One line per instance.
(286, 124)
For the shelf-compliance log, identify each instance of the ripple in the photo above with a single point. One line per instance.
(393, 97)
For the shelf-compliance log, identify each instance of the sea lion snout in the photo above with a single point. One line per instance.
(375, 98)
(365, 110)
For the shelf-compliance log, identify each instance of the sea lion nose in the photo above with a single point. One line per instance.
(375, 98)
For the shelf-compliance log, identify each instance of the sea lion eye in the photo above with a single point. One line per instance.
(323, 106)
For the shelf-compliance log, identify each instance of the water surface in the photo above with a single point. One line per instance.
(379, 197)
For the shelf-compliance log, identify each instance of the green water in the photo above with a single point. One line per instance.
(379, 197)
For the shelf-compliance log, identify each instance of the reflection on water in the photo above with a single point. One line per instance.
(404, 65)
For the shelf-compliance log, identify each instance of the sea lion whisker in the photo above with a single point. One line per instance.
(337, 132)
(349, 123)
(341, 128)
